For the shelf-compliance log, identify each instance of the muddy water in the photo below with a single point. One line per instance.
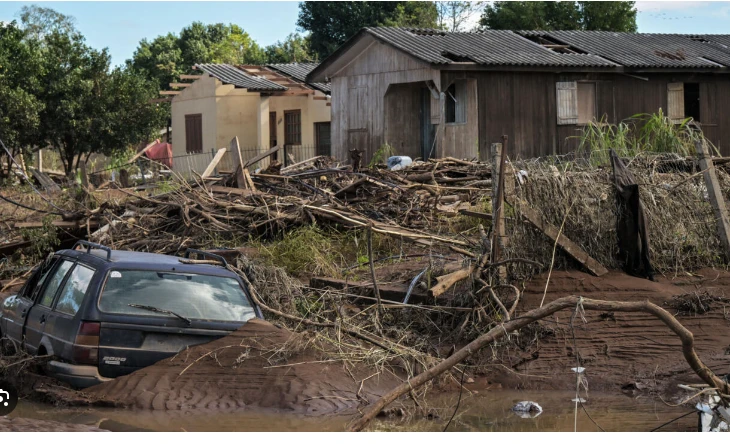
(485, 411)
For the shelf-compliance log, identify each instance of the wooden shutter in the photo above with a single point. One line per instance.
(567, 102)
(193, 133)
(675, 102)
(293, 127)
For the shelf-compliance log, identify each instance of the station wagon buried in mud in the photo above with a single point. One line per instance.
(102, 313)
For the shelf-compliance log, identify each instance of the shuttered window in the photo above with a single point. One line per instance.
(194, 133)
(675, 102)
(293, 127)
(456, 102)
(567, 102)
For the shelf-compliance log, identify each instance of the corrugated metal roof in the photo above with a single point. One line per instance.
(233, 76)
(644, 50)
(501, 48)
(299, 71)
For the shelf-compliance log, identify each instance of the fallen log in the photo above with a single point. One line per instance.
(503, 329)
(448, 280)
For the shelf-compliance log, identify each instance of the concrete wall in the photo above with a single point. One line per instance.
(199, 98)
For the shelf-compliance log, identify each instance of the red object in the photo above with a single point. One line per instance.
(86, 346)
(160, 152)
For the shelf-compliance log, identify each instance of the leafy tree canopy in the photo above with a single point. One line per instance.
(294, 49)
(619, 16)
(331, 23)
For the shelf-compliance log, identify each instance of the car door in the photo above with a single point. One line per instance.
(15, 308)
(61, 323)
(38, 313)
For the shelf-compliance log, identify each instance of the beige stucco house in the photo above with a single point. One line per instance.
(264, 106)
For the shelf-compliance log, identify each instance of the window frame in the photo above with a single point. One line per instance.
(61, 284)
(197, 130)
(460, 100)
(287, 124)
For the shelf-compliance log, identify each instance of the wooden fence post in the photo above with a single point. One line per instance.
(714, 192)
(498, 230)
(238, 164)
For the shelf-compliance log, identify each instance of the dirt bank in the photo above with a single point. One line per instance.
(634, 352)
(249, 368)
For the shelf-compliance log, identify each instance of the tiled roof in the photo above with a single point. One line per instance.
(233, 76)
(500, 48)
(645, 50)
(299, 71)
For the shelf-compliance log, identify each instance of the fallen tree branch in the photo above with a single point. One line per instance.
(501, 330)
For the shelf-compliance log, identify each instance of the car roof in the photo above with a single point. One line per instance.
(142, 261)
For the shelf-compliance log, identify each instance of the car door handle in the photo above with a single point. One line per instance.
(43, 319)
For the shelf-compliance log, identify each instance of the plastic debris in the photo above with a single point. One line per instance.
(396, 163)
(527, 409)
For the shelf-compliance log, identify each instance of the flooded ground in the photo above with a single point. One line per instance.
(483, 412)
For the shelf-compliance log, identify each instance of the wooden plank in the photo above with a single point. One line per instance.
(228, 190)
(714, 192)
(169, 93)
(570, 247)
(213, 163)
(498, 227)
(237, 161)
(261, 156)
(45, 181)
(249, 182)
(190, 76)
(179, 85)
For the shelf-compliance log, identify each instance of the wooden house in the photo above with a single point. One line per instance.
(433, 93)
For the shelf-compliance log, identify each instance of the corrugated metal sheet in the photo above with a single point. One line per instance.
(500, 48)
(644, 50)
(299, 71)
(231, 75)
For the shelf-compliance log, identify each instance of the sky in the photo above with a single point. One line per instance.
(120, 26)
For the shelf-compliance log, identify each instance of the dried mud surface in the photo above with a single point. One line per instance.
(8, 424)
(244, 370)
(633, 352)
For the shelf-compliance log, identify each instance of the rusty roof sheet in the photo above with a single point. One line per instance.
(299, 71)
(496, 48)
(644, 50)
(231, 75)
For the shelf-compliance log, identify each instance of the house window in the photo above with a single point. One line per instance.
(576, 102)
(293, 127)
(194, 133)
(456, 102)
(683, 101)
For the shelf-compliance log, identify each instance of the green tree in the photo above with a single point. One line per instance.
(294, 49)
(38, 21)
(20, 74)
(167, 56)
(455, 16)
(331, 23)
(619, 16)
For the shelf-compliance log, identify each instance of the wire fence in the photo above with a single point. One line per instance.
(188, 164)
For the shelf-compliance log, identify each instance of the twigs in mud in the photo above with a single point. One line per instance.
(501, 330)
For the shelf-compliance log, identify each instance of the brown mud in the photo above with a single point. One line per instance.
(260, 366)
(631, 352)
(8, 424)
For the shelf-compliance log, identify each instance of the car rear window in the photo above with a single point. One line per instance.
(193, 296)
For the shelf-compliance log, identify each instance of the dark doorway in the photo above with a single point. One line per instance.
(426, 126)
(692, 101)
(323, 134)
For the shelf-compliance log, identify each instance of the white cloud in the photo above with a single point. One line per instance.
(649, 6)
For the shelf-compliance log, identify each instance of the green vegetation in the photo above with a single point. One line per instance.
(653, 133)
(381, 155)
(619, 16)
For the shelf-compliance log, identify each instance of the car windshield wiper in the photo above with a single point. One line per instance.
(160, 310)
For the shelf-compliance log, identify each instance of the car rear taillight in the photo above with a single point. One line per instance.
(86, 346)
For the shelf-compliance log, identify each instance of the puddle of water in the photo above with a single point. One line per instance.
(484, 412)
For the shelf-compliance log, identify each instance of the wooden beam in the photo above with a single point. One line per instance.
(161, 100)
(190, 76)
(498, 227)
(293, 93)
(144, 150)
(320, 98)
(179, 85)
(238, 165)
(714, 192)
(261, 156)
(214, 163)
(169, 93)
(570, 247)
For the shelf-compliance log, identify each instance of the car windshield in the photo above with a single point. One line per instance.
(193, 296)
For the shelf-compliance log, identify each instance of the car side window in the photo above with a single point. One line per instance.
(54, 281)
(35, 282)
(74, 290)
